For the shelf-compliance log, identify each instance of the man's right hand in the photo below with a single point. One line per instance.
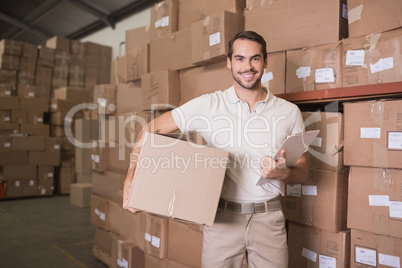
(126, 193)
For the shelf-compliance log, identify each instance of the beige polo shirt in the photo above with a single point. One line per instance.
(226, 122)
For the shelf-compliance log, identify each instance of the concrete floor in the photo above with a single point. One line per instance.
(46, 232)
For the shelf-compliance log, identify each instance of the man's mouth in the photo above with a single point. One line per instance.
(248, 75)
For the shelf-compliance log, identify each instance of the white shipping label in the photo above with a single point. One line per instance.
(317, 142)
(7, 93)
(309, 190)
(389, 260)
(31, 94)
(324, 75)
(370, 132)
(267, 77)
(69, 120)
(7, 119)
(345, 11)
(50, 175)
(326, 262)
(308, 254)
(165, 21)
(53, 106)
(56, 147)
(303, 72)
(379, 200)
(214, 39)
(294, 190)
(122, 263)
(96, 158)
(395, 140)
(156, 241)
(102, 102)
(366, 256)
(96, 211)
(148, 237)
(355, 57)
(43, 191)
(17, 184)
(39, 120)
(31, 182)
(382, 65)
(7, 144)
(395, 209)
(158, 24)
(102, 216)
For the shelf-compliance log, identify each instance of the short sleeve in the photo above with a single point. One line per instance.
(190, 116)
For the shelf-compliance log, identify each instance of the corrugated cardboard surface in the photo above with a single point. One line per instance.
(372, 250)
(374, 197)
(321, 201)
(318, 59)
(382, 59)
(173, 190)
(373, 132)
(326, 151)
(204, 79)
(313, 247)
(369, 17)
(210, 36)
(292, 24)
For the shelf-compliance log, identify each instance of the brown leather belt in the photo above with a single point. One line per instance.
(251, 208)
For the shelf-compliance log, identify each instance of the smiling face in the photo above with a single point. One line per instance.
(247, 64)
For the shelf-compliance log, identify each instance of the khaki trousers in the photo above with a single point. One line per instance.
(261, 235)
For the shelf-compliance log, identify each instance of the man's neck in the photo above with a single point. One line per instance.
(251, 96)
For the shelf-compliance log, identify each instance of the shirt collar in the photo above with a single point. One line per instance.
(233, 98)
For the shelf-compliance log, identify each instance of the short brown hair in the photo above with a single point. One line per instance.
(252, 36)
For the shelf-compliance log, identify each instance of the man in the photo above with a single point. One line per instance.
(250, 123)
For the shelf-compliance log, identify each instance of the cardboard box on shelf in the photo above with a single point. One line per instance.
(292, 24)
(59, 43)
(138, 37)
(108, 185)
(374, 200)
(192, 10)
(313, 247)
(10, 47)
(138, 62)
(160, 87)
(21, 187)
(43, 81)
(6, 90)
(105, 97)
(210, 36)
(103, 246)
(45, 180)
(198, 175)
(275, 74)
(46, 56)
(60, 77)
(126, 253)
(373, 250)
(200, 80)
(372, 59)
(29, 50)
(100, 212)
(320, 202)
(76, 75)
(49, 158)
(164, 18)
(370, 17)
(19, 172)
(172, 52)
(61, 105)
(100, 157)
(9, 62)
(314, 68)
(156, 236)
(185, 242)
(31, 143)
(12, 157)
(35, 129)
(9, 103)
(26, 91)
(37, 104)
(129, 98)
(126, 224)
(326, 151)
(373, 133)
(80, 194)
(73, 93)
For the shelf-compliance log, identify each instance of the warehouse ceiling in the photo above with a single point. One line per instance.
(35, 21)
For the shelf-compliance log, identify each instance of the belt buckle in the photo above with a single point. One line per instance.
(247, 208)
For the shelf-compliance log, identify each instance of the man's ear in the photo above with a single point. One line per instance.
(228, 63)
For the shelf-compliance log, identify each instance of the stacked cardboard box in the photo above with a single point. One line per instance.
(372, 149)
(316, 209)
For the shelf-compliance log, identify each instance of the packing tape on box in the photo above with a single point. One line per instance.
(383, 178)
(355, 14)
(377, 111)
(171, 203)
